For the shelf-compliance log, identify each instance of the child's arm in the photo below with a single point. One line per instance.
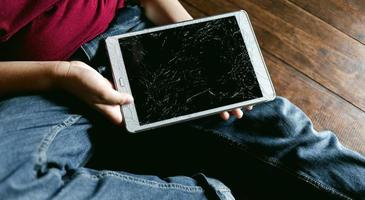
(74, 77)
(165, 11)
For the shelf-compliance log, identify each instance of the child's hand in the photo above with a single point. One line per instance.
(236, 112)
(86, 83)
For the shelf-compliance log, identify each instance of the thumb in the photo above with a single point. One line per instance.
(117, 98)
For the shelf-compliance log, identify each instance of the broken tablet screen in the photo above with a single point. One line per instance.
(188, 69)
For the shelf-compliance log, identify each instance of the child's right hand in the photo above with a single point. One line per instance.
(86, 83)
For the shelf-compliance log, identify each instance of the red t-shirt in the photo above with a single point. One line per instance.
(51, 29)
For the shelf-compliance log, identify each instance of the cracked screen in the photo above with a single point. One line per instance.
(188, 69)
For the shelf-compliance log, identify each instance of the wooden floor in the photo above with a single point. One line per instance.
(315, 52)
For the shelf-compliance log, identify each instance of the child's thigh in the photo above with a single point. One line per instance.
(39, 136)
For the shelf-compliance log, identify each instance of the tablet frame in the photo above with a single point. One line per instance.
(122, 84)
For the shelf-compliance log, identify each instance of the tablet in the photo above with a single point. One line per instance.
(188, 70)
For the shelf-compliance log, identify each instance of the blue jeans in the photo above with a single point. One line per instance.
(54, 147)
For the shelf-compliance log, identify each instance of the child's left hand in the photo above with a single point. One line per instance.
(236, 112)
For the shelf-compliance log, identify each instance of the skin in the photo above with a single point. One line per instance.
(73, 77)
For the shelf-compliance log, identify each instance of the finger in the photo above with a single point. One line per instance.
(238, 113)
(108, 95)
(248, 108)
(224, 115)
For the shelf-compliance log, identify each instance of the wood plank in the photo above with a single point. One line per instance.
(346, 15)
(321, 105)
(325, 109)
(312, 46)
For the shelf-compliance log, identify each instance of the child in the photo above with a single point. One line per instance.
(47, 136)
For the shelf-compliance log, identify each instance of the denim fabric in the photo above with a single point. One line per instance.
(47, 140)
(54, 147)
(44, 146)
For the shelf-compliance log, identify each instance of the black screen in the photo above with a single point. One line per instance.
(188, 69)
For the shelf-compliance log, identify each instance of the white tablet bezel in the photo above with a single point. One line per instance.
(122, 84)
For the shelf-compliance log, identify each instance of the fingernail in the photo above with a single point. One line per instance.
(129, 99)
(248, 108)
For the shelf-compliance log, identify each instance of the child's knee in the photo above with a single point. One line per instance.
(279, 118)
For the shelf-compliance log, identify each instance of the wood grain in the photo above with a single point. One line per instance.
(303, 41)
(346, 15)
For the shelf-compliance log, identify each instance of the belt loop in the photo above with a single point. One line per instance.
(209, 190)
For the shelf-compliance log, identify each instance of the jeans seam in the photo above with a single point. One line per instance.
(275, 163)
(304, 177)
(141, 181)
(228, 196)
(49, 138)
(224, 190)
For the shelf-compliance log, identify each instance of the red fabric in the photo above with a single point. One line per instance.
(51, 29)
